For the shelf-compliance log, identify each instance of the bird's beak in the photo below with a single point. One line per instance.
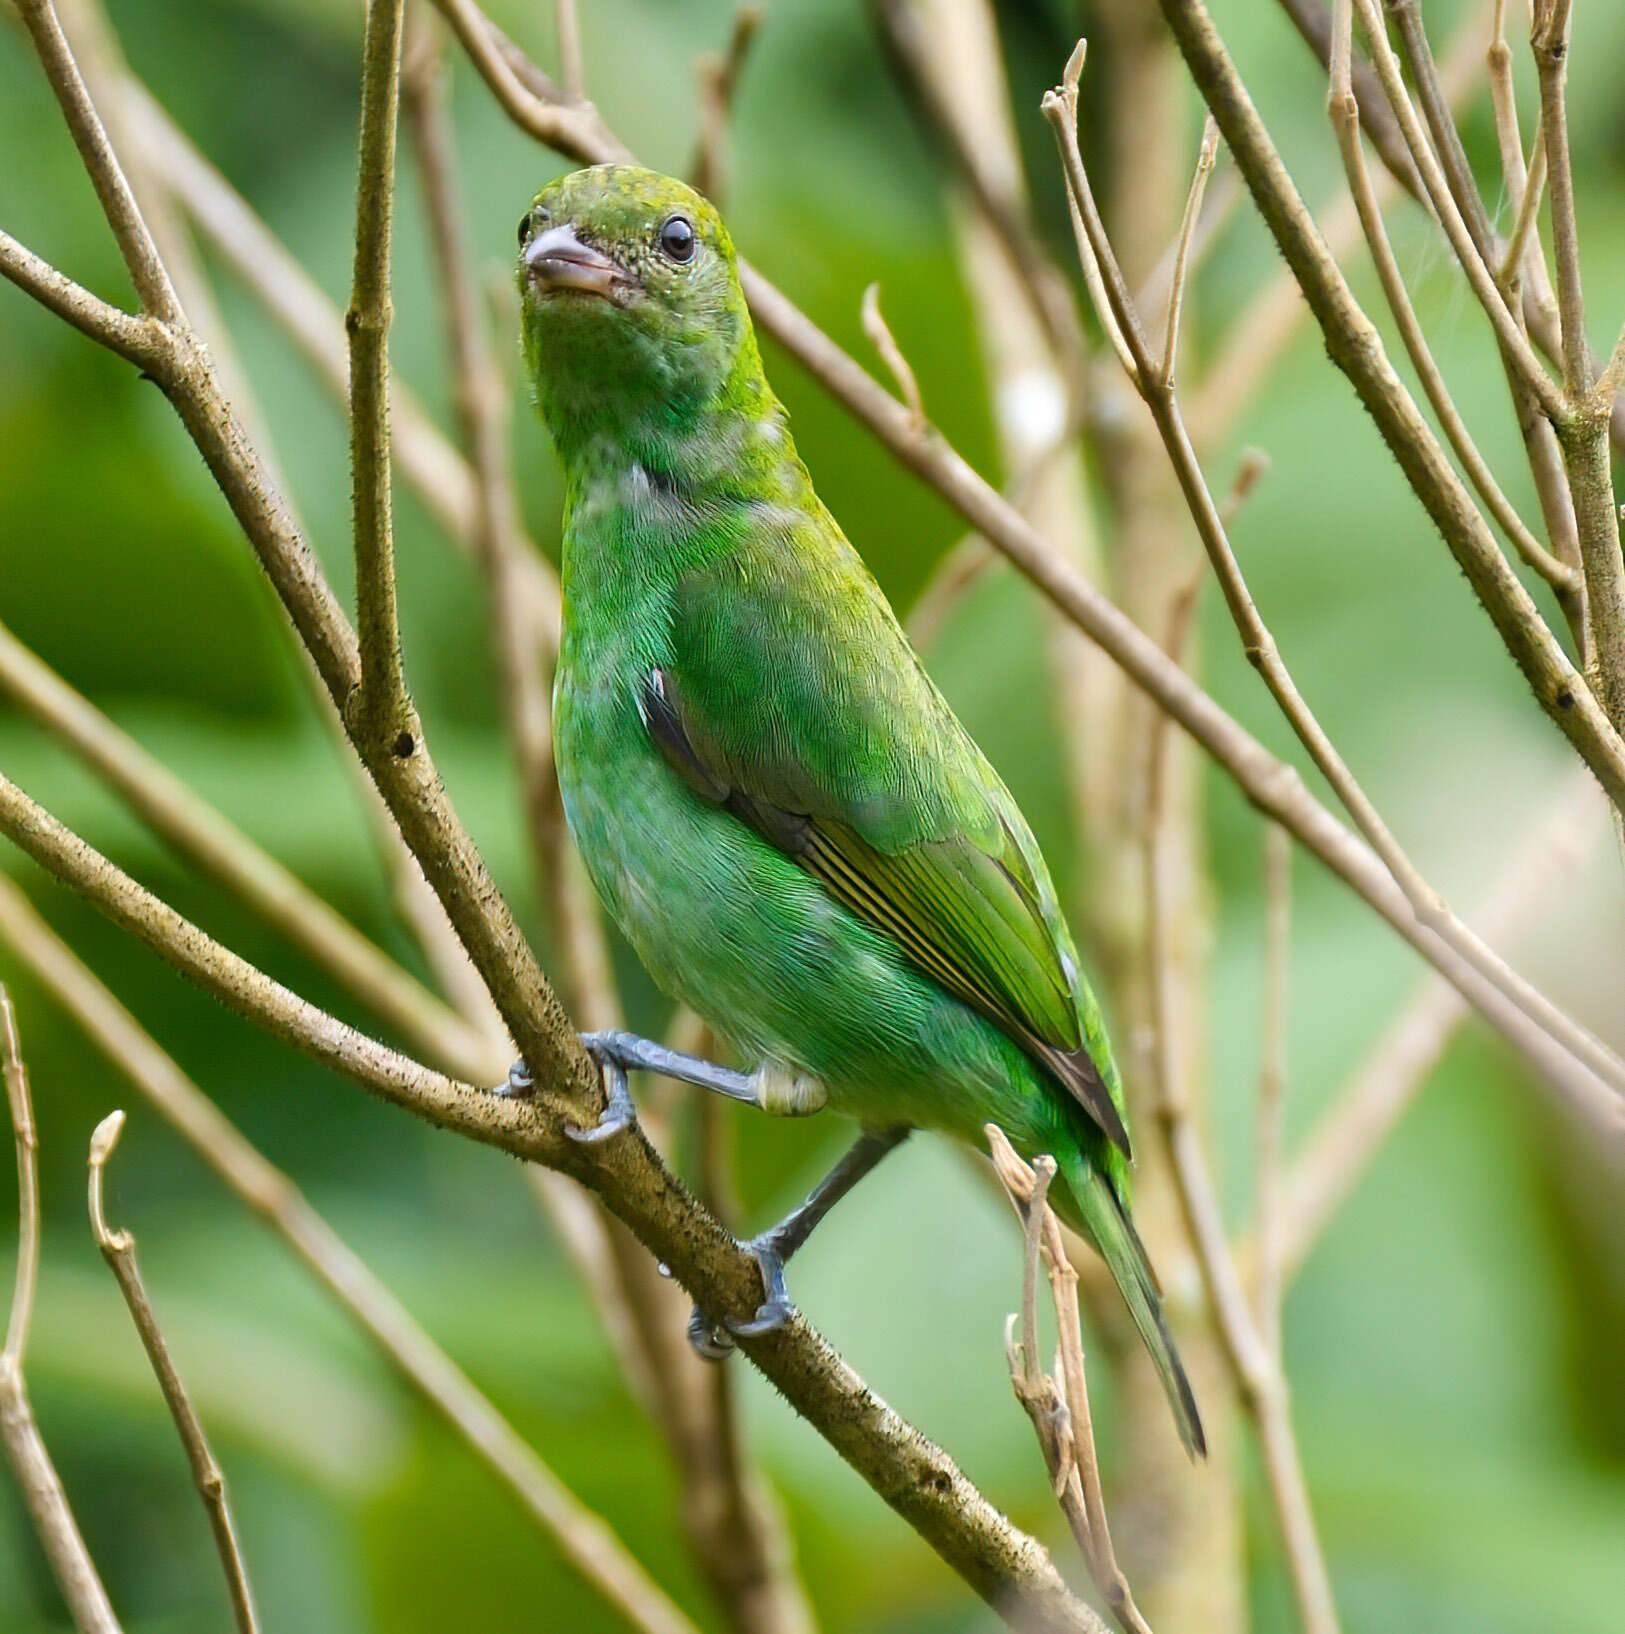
(557, 259)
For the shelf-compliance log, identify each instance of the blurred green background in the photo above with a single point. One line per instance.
(1457, 1344)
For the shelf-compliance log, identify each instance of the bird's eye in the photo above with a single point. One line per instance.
(677, 239)
(524, 229)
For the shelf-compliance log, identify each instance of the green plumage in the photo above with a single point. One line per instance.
(772, 798)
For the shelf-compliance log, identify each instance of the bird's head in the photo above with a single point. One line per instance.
(631, 303)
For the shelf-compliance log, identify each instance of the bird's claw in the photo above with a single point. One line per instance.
(713, 1343)
(520, 1085)
(619, 1110)
(714, 1340)
(776, 1309)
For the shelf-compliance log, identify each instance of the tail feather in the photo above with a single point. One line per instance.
(1106, 1222)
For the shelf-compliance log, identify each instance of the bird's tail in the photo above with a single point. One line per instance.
(1106, 1222)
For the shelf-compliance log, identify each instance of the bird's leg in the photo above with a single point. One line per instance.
(632, 1053)
(617, 1053)
(775, 1246)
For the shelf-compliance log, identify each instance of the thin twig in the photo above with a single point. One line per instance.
(1536, 310)
(1365, 1110)
(118, 1249)
(1087, 260)
(1251, 469)
(1058, 1403)
(131, 338)
(214, 845)
(1585, 436)
(1345, 119)
(572, 72)
(1479, 274)
(1416, 51)
(581, 1536)
(27, 1142)
(1549, 44)
(1523, 236)
(1539, 314)
(1259, 1378)
(1522, 275)
(146, 267)
(1357, 350)
(1259, 645)
(439, 474)
(1207, 153)
(719, 73)
(251, 993)
(1272, 1081)
(523, 635)
(891, 354)
(1541, 432)
(1612, 379)
(383, 709)
(41, 1487)
(927, 64)
(961, 566)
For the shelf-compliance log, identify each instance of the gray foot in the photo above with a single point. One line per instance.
(619, 1112)
(715, 1341)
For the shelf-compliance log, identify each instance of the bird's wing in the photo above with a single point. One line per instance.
(792, 699)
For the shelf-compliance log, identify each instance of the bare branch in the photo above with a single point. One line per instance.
(572, 72)
(118, 1249)
(1514, 345)
(989, 171)
(383, 709)
(523, 613)
(719, 73)
(1585, 437)
(131, 338)
(1058, 1404)
(1187, 227)
(1366, 1109)
(1261, 650)
(439, 474)
(523, 92)
(583, 1539)
(891, 354)
(253, 994)
(1251, 469)
(27, 1140)
(1272, 1082)
(1549, 42)
(41, 1487)
(1523, 236)
(216, 846)
(1356, 349)
(1093, 277)
(1345, 118)
(147, 272)
(1612, 379)
(1256, 1368)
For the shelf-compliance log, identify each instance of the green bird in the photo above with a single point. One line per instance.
(772, 799)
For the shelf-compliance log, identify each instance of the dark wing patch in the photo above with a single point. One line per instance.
(968, 921)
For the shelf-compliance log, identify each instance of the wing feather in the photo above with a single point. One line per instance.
(969, 920)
